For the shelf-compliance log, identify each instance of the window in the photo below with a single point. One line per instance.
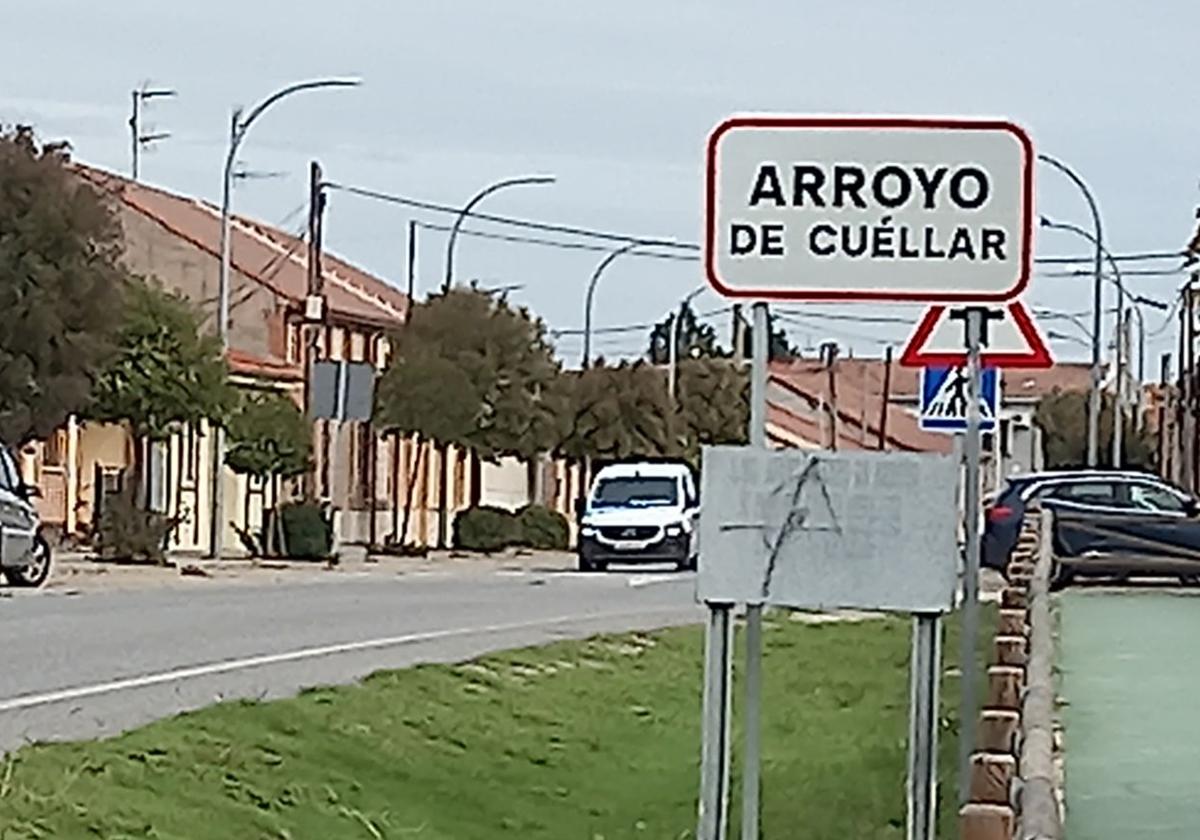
(637, 491)
(1157, 499)
(1087, 493)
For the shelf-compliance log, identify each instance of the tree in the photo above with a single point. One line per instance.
(1063, 418)
(696, 338)
(616, 413)
(780, 349)
(713, 404)
(165, 373)
(428, 397)
(60, 287)
(269, 437)
(483, 360)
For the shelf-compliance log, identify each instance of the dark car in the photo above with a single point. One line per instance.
(1106, 523)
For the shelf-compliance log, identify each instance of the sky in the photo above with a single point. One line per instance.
(615, 100)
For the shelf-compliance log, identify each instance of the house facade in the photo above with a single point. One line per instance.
(363, 473)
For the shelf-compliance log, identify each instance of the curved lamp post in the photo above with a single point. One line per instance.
(673, 350)
(1119, 409)
(526, 180)
(591, 293)
(1093, 438)
(238, 127)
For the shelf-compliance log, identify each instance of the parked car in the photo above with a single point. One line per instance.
(24, 552)
(1107, 523)
(640, 513)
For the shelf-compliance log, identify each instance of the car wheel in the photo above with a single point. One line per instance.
(1189, 580)
(689, 561)
(35, 574)
(1059, 577)
(586, 565)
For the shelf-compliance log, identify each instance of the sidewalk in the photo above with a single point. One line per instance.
(77, 571)
(1131, 680)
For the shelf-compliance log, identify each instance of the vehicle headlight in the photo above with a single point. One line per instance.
(587, 531)
(674, 530)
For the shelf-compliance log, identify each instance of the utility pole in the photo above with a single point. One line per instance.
(739, 336)
(412, 265)
(314, 313)
(830, 351)
(137, 138)
(887, 396)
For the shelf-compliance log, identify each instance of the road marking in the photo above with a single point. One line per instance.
(637, 581)
(28, 701)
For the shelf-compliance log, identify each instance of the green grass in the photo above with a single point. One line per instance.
(595, 740)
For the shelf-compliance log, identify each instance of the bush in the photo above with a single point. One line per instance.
(129, 534)
(485, 529)
(541, 528)
(307, 534)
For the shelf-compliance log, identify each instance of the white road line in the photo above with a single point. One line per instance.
(28, 701)
(637, 581)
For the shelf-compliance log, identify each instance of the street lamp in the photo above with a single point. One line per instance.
(673, 350)
(239, 125)
(1119, 402)
(1093, 437)
(591, 289)
(525, 180)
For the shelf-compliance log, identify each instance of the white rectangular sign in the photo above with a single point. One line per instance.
(856, 208)
(826, 530)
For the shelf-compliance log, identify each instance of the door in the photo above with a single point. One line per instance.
(18, 524)
(1158, 522)
(1085, 514)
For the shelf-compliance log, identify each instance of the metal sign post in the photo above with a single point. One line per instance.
(974, 318)
(716, 723)
(926, 668)
(751, 781)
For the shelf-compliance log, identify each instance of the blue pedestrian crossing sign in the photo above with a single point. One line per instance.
(944, 398)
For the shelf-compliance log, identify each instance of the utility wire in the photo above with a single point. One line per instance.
(512, 222)
(624, 238)
(551, 243)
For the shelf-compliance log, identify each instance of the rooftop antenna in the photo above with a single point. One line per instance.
(138, 138)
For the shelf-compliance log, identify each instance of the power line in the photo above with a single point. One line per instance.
(551, 243)
(568, 230)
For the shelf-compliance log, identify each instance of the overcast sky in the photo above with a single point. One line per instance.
(615, 99)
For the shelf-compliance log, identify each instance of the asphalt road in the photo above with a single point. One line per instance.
(98, 663)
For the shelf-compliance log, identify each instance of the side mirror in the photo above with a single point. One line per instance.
(580, 506)
(1192, 507)
(30, 491)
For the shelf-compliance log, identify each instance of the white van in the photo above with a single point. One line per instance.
(640, 513)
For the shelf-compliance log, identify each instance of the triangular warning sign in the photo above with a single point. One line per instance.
(1010, 340)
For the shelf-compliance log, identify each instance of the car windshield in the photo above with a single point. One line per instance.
(636, 491)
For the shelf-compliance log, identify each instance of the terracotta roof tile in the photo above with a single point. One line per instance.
(270, 256)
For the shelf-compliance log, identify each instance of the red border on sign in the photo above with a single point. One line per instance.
(915, 123)
(1038, 356)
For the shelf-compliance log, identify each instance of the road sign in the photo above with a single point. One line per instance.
(944, 400)
(823, 530)
(857, 208)
(341, 390)
(1010, 339)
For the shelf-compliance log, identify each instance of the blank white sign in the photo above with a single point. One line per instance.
(829, 530)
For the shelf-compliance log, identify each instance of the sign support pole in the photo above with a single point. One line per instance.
(971, 504)
(716, 720)
(923, 723)
(752, 772)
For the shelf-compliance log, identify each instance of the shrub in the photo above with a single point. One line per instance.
(541, 528)
(485, 529)
(129, 534)
(307, 534)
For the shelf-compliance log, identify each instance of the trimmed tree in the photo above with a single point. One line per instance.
(616, 413)
(60, 287)
(270, 439)
(165, 374)
(429, 398)
(504, 377)
(1063, 418)
(713, 404)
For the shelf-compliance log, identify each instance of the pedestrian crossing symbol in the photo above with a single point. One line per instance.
(944, 398)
